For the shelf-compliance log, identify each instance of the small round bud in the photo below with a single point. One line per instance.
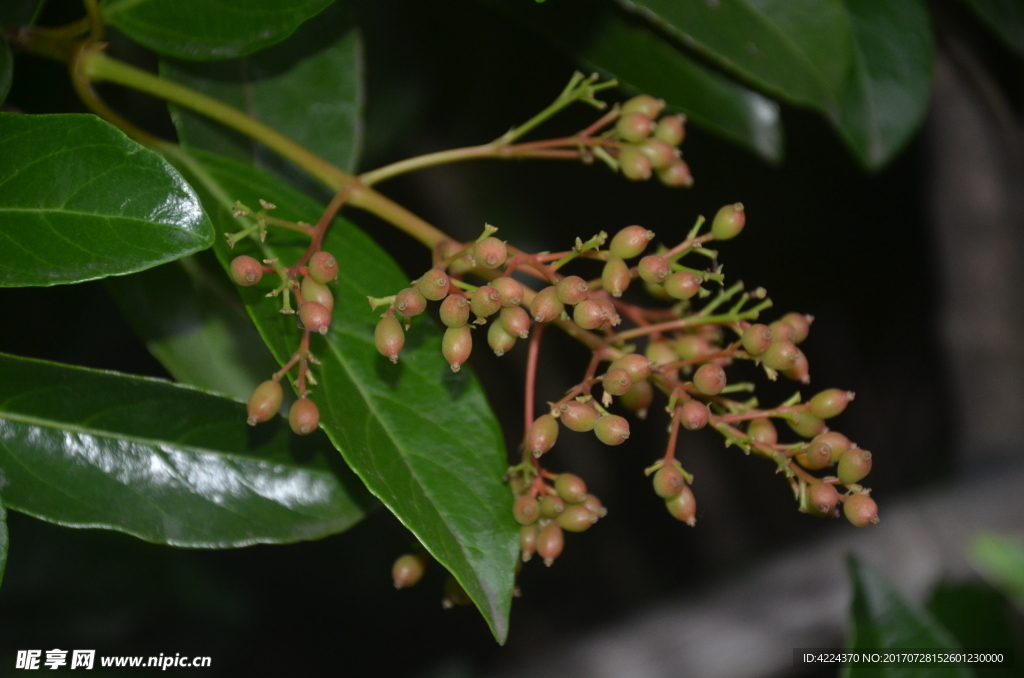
(490, 252)
(571, 488)
(409, 302)
(683, 285)
(853, 466)
(389, 337)
(729, 221)
(485, 302)
(516, 321)
(408, 570)
(578, 416)
(638, 366)
(550, 543)
(304, 416)
(510, 291)
(323, 267)
(572, 289)
(434, 284)
(615, 277)
(314, 317)
(630, 242)
(576, 518)
(668, 482)
(660, 153)
(456, 345)
(694, 415)
(762, 431)
(311, 290)
(800, 371)
(801, 325)
(671, 129)
(822, 499)
(589, 314)
(246, 271)
(541, 436)
(546, 305)
(756, 339)
(616, 381)
(644, 104)
(861, 510)
(781, 355)
(806, 425)
(634, 164)
(634, 127)
(455, 310)
(830, 403)
(638, 398)
(611, 429)
(683, 506)
(551, 506)
(692, 347)
(654, 269)
(837, 442)
(264, 402)
(528, 541)
(660, 353)
(500, 341)
(526, 510)
(709, 379)
(676, 175)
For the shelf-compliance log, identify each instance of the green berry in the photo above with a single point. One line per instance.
(304, 416)
(526, 510)
(781, 355)
(671, 129)
(820, 451)
(800, 370)
(595, 506)
(546, 305)
(861, 510)
(456, 345)
(762, 431)
(516, 321)
(683, 506)
(434, 284)
(578, 416)
(500, 341)
(654, 269)
(634, 127)
(485, 302)
(709, 379)
(638, 398)
(611, 316)
(589, 314)
(615, 277)
(571, 488)
(683, 285)
(490, 252)
(314, 317)
(408, 570)
(756, 339)
(830, 403)
(246, 271)
(389, 337)
(822, 499)
(634, 164)
(455, 310)
(660, 353)
(660, 153)
(644, 104)
(854, 465)
(782, 330)
(801, 325)
(410, 302)
(528, 541)
(692, 347)
(550, 543)
(668, 482)
(572, 289)
(264, 402)
(815, 457)
(311, 290)
(510, 291)
(837, 442)
(630, 242)
(551, 506)
(806, 425)
(638, 366)
(694, 415)
(541, 436)
(729, 221)
(616, 381)
(611, 429)
(676, 175)
(576, 518)
(323, 267)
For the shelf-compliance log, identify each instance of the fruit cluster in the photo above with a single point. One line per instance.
(650, 145)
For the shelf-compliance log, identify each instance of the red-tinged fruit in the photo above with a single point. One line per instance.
(408, 570)
(576, 518)
(264, 402)
(710, 379)
(454, 310)
(638, 366)
(694, 415)
(546, 305)
(683, 506)
(510, 291)
(781, 355)
(550, 543)
(456, 345)
(644, 104)
(729, 221)
(551, 506)
(577, 416)
(571, 488)
(589, 314)
(490, 252)
(616, 381)
(654, 269)
(634, 164)
(756, 339)
(801, 324)
(541, 436)
(246, 271)
(762, 431)
(615, 276)
(671, 129)
(410, 302)
(660, 153)
(634, 127)
(838, 443)
(528, 541)
(676, 175)
(861, 510)
(516, 321)
(822, 499)
(830, 403)
(304, 416)
(800, 370)
(630, 242)
(526, 510)
(434, 284)
(485, 302)
(638, 398)
(389, 338)
(683, 285)
(668, 482)
(314, 317)
(500, 341)
(572, 289)
(806, 425)
(311, 290)
(323, 267)
(854, 465)
(611, 429)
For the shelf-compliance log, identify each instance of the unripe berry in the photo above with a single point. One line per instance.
(550, 543)
(264, 402)
(830, 403)
(615, 276)
(509, 289)
(528, 541)
(456, 345)
(822, 499)
(246, 271)
(762, 431)
(861, 510)
(634, 164)
(801, 325)
(682, 285)
(654, 269)
(611, 429)
(691, 347)
(806, 425)
(323, 267)
(672, 129)
(611, 316)
(616, 381)
(595, 506)
(781, 355)
(660, 153)
(645, 104)
(314, 317)
(311, 290)
(434, 284)
(546, 305)
(668, 482)
(630, 242)
(800, 371)
(576, 518)
(634, 127)
(516, 321)
(454, 594)
(572, 289)
(838, 443)
(408, 570)
(854, 465)
(709, 379)
(541, 436)
(490, 252)
(676, 175)
(756, 339)
(589, 314)
(638, 366)
(526, 510)
(485, 302)
(409, 302)
(683, 506)
(551, 506)
(660, 353)
(638, 398)
(455, 310)
(729, 221)
(389, 337)
(578, 416)
(571, 488)
(816, 457)
(500, 341)
(820, 450)
(783, 331)
(304, 416)
(694, 415)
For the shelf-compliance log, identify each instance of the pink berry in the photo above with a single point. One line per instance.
(246, 271)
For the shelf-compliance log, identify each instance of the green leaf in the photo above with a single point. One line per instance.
(6, 69)
(890, 82)
(200, 29)
(79, 200)
(309, 88)
(880, 619)
(1005, 18)
(165, 463)
(423, 440)
(4, 544)
(1000, 560)
(615, 43)
(193, 322)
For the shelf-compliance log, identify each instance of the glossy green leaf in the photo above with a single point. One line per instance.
(192, 320)
(423, 440)
(1005, 18)
(201, 29)
(4, 540)
(6, 69)
(610, 41)
(79, 200)
(880, 619)
(165, 463)
(309, 88)
(1000, 559)
(890, 81)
